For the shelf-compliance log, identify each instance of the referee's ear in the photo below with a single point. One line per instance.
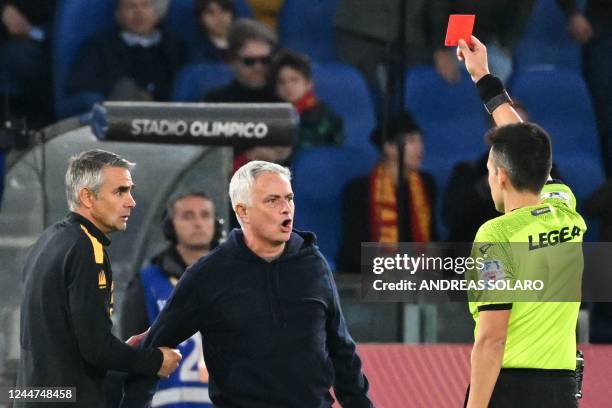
(502, 177)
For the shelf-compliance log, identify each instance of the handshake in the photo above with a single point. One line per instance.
(172, 357)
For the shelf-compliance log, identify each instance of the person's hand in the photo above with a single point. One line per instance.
(135, 340)
(475, 58)
(580, 29)
(445, 66)
(172, 358)
(16, 23)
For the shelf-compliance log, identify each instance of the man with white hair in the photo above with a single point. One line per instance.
(265, 302)
(66, 338)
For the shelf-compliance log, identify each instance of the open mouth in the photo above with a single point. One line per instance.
(286, 225)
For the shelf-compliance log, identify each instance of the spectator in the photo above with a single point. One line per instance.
(189, 226)
(500, 24)
(593, 30)
(214, 19)
(365, 31)
(319, 125)
(25, 58)
(251, 47)
(136, 62)
(369, 205)
(266, 11)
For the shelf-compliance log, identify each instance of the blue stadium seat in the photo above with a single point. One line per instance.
(343, 88)
(77, 21)
(546, 41)
(453, 121)
(192, 82)
(320, 176)
(452, 117)
(582, 172)
(558, 100)
(180, 18)
(307, 27)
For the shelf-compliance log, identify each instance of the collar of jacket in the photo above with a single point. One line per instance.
(134, 40)
(300, 243)
(93, 230)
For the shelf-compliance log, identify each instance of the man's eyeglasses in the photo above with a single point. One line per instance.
(252, 61)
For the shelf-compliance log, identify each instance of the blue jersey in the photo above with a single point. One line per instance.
(187, 387)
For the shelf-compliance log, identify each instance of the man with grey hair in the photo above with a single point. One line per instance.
(66, 338)
(265, 302)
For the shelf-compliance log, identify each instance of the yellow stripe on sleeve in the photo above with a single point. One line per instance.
(97, 247)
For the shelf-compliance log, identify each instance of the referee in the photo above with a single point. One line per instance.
(524, 353)
(66, 338)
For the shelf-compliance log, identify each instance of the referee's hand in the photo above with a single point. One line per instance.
(475, 58)
(172, 358)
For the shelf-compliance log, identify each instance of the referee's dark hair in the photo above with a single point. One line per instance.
(524, 151)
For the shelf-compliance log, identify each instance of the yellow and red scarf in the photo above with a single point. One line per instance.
(383, 206)
(307, 101)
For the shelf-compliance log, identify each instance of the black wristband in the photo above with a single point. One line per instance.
(492, 92)
(489, 87)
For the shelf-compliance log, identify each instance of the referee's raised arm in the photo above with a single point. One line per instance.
(491, 89)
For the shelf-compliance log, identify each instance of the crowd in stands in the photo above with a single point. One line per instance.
(26, 33)
(136, 61)
(264, 51)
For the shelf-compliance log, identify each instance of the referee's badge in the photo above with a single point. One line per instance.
(556, 194)
(492, 271)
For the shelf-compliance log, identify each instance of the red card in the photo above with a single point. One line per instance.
(459, 26)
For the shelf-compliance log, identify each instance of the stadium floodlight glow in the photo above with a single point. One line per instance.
(219, 124)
